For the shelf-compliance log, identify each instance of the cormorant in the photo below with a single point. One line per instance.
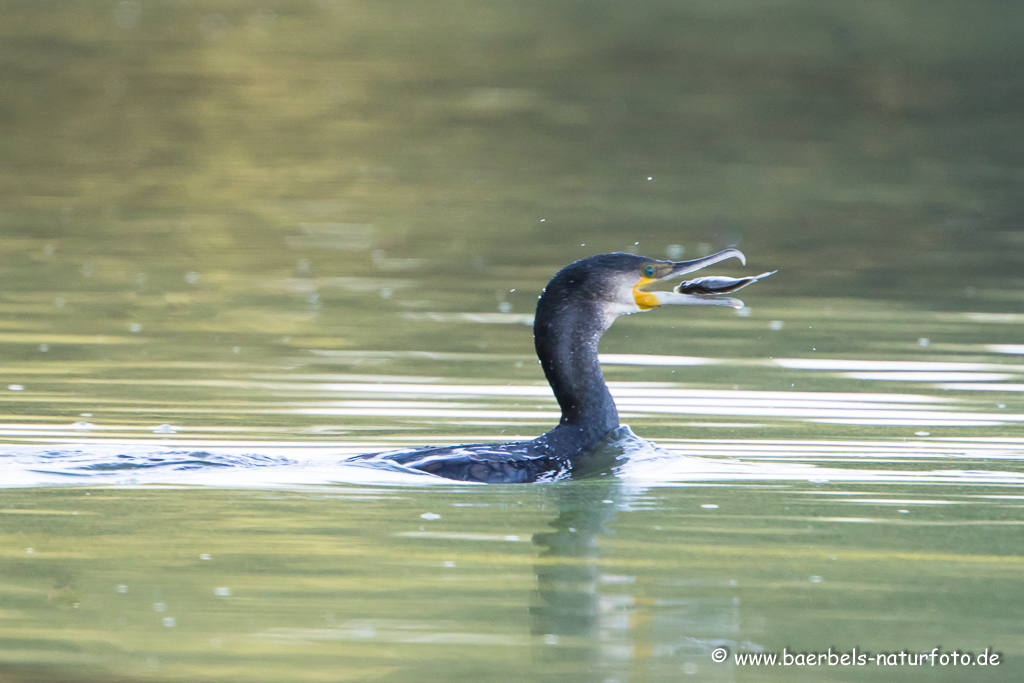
(577, 306)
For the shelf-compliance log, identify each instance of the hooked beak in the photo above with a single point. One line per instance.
(701, 291)
(683, 267)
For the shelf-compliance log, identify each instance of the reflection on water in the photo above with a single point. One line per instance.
(590, 581)
(784, 501)
(583, 614)
(301, 417)
(187, 510)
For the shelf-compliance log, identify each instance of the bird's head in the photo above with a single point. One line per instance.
(619, 282)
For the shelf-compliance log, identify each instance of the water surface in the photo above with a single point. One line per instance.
(869, 498)
(240, 244)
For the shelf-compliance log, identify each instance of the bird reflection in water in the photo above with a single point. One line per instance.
(592, 624)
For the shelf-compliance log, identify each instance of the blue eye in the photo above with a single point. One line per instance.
(648, 271)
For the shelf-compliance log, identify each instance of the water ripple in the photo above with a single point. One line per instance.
(676, 462)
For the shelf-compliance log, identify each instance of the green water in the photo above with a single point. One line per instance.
(566, 582)
(240, 242)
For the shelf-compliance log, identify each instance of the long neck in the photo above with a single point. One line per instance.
(566, 333)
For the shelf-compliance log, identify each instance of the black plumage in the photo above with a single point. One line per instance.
(578, 305)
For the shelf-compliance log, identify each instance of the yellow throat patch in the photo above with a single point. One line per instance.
(645, 300)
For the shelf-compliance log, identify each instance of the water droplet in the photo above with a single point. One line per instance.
(192, 277)
(159, 607)
(15, 387)
(222, 592)
(30, 551)
(166, 429)
(122, 588)
(923, 341)
(59, 302)
(775, 325)
(709, 506)
(815, 579)
(135, 328)
(44, 347)
(169, 622)
(449, 564)
(204, 556)
(921, 433)
(430, 516)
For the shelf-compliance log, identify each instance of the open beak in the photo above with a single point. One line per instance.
(683, 267)
(705, 291)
